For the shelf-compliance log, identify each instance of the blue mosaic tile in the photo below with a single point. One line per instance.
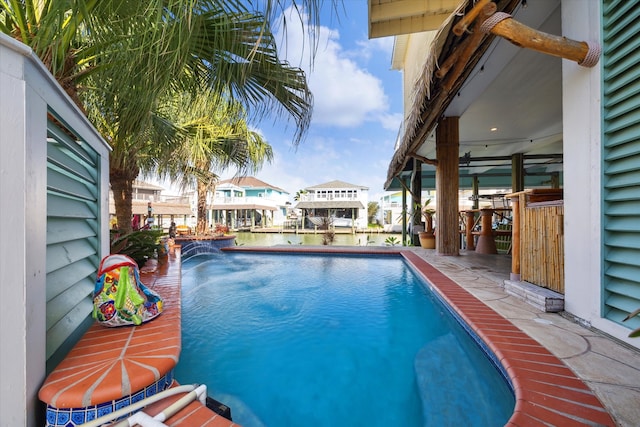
(78, 417)
(64, 417)
(137, 397)
(150, 391)
(105, 410)
(119, 404)
(51, 416)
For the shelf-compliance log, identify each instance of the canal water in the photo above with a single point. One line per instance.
(359, 239)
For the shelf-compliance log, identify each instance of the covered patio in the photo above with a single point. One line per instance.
(484, 112)
(520, 95)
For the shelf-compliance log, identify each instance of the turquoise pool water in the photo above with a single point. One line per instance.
(319, 340)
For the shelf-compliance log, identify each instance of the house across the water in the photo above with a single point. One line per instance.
(247, 203)
(149, 202)
(334, 204)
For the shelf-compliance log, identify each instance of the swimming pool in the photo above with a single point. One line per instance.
(319, 340)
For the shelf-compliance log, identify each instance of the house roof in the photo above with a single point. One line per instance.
(146, 186)
(139, 207)
(392, 17)
(335, 184)
(247, 182)
(330, 204)
(516, 91)
(240, 206)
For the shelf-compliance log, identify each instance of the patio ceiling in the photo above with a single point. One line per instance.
(515, 91)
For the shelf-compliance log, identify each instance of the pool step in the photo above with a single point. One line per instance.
(541, 298)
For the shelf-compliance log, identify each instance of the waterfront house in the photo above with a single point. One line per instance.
(335, 204)
(556, 110)
(164, 208)
(247, 202)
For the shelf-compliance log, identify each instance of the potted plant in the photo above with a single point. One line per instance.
(427, 237)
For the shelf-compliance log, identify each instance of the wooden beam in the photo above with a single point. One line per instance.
(424, 159)
(466, 20)
(469, 49)
(503, 25)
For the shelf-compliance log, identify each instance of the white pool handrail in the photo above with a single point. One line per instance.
(140, 404)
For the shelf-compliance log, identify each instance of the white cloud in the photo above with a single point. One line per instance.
(345, 95)
(390, 121)
(379, 46)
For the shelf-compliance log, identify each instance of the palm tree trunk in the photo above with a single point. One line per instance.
(122, 188)
(202, 208)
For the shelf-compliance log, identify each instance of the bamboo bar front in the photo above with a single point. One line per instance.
(541, 238)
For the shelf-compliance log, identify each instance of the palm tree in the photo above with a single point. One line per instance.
(299, 195)
(123, 59)
(372, 211)
(216, 137)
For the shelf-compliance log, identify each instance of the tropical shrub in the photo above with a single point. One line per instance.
(139, 245)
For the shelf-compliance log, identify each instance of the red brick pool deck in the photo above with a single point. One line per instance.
(547, 392)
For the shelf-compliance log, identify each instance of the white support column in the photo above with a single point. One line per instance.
(23, 230)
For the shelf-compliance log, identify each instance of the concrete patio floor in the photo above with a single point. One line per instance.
(610, 368)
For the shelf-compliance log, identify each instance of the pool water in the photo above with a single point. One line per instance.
(318, 340)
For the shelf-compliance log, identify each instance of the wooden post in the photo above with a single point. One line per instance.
(470, 218)
(404, 214)
(416, 191)
(447, 184)
(517, 172)
(515, 237)
(475, 188)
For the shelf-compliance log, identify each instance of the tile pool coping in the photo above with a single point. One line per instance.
(110, 368)
(546, 391)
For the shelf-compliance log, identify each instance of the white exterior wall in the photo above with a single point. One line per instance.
(363, 214)
(22, 230)
(582, 129)
(26, 89)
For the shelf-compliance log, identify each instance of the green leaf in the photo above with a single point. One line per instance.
(632, 314)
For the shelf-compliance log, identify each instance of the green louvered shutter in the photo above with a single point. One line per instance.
(73, 170)
(621, 159)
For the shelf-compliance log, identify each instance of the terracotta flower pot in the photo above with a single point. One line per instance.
(427, 240)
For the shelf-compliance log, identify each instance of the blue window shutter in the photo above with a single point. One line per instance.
(73, 237)
(621, 160)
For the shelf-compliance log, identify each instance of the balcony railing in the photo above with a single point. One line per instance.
(319, 198)
(220, 202)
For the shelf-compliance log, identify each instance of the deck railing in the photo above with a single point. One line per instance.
(538, 238)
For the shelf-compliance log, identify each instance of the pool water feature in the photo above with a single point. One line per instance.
(325, 340)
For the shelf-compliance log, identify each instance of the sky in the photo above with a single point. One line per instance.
(357, 107)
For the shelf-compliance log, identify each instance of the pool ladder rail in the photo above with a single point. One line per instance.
(141, 418)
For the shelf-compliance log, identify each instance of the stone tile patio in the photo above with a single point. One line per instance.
(610, 368)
